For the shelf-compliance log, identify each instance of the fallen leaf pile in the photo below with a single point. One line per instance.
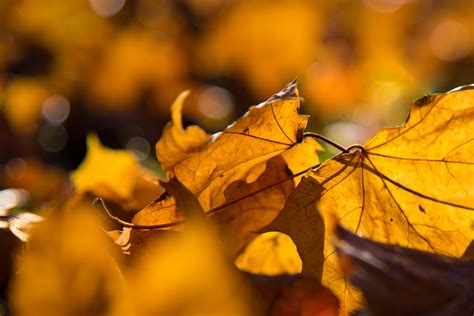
(244, 224)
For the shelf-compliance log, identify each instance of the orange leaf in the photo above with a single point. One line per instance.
(410, 185)
(241, 176)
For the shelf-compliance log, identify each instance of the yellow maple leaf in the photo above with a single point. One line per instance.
(115, 175)
(240, 151)
(410, 185)
(106, 172)
(242, 175)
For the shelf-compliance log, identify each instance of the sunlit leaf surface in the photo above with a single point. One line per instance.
(411, 186)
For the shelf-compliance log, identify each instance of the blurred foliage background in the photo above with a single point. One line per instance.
(68, 68)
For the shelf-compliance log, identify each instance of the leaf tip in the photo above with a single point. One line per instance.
(177, 108)
(289, 91)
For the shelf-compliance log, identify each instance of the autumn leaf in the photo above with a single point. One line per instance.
(411, 186)
(236, 197)
(241, 150)
(252, 205)
(115, 175)
(103, 168)
(243, 175)
(216, 288)
(402, 281)
(164, 273)
(68, 268)
(413, 183)
(177, 142)
(135, 242)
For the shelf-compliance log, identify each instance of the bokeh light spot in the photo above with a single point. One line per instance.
(55, 109)
(450, 41)
(215, 103)
(15, 168)
(346, 133)
(106, 8)
(386, 94)
(52, 138)
(139, 146)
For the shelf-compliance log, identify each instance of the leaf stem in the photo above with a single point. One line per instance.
(356, 146)
(326, 140)
(131, 225)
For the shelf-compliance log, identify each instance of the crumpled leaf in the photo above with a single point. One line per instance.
(243, 175)
(177, 142)
(115, 175)
(241, 150)
(296, 294)
(68, 268)
(402, 281)
(411, 186)
(271, 253)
